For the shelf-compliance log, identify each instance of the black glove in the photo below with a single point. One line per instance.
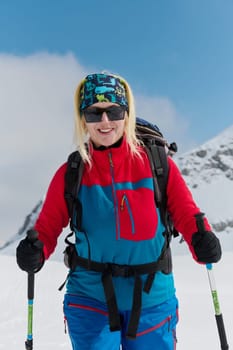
(206, 247)
(29, 253)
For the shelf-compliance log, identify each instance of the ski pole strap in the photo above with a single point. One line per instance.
(109, 270)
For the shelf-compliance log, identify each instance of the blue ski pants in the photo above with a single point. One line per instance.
(88, 327)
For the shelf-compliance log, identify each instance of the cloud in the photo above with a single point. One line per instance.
(36, 134)
(162, 112)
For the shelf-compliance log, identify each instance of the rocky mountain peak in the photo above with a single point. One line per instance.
(210, 161)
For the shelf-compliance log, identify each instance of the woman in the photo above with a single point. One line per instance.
(120, 228)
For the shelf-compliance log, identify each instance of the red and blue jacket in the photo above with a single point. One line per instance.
(120, 221)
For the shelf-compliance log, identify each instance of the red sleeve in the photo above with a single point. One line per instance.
(182, 206)
(54, 214)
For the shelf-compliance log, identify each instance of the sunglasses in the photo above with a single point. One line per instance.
(94, 114)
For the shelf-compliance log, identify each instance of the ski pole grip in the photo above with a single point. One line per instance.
(221, 332)
(32, 235)
(31, 282)
(200, 222)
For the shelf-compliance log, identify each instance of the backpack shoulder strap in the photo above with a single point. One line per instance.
(155, 146)
(157, 150)
(159, 164)
(160, 169)
(73, 178)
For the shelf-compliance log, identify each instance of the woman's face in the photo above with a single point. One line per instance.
(105, 132)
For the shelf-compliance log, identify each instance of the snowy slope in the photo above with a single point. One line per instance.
(196, 330)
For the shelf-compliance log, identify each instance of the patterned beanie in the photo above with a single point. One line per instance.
(102, 88)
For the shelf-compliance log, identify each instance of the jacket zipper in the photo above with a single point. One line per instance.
(114, 196)
(126, 201)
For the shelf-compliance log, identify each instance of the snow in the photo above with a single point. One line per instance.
(197, 328)
(217, 201)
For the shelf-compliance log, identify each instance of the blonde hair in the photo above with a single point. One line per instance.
(81, 136)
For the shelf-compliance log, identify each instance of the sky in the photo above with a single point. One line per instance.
(196, 329)
(176, 55)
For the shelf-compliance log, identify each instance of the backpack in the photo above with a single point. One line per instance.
(157, 150)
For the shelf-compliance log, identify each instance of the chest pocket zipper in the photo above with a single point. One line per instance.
(125, 204)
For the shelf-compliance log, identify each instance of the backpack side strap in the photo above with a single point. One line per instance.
(159, 166)
(73, 178)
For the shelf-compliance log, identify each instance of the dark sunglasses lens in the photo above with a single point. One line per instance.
(116, 113)
(94, 115)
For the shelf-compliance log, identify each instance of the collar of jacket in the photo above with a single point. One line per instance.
(115, 145)
(111, 155)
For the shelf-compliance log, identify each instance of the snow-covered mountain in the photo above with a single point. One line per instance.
(9, 246)
(208, 171)
(213, 160)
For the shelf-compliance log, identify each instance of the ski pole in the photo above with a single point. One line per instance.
(218, 313)
(32, 236)
(31, 283)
